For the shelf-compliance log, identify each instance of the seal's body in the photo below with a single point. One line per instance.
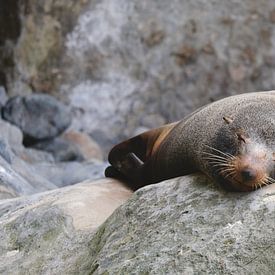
(231, 140)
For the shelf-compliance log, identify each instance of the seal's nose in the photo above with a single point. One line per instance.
(248, 174)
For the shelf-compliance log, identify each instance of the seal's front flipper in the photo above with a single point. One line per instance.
(130, 163)
(129, 169)
(112, 172)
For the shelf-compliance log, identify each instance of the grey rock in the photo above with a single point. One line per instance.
(188, 226)
(32, 62)
(28, 171)
(86, 145)
(72, 172)
(25, 171)
(71, 146)
(49, 233)
(165, 58)
(3, 96)
(39, 116)
(181, 226)
(61, 149)
(11, 135)
(17, 176)
(12, 181)
(31, 155)
(5, 151)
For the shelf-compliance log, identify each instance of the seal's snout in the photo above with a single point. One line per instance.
(248, 174)
(252, 167)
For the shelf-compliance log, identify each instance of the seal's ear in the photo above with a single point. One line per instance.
(227, 119)
(241, 136)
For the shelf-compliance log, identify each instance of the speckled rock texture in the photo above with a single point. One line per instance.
(182, 226)
(32, 38)
(188, 226)
(144, 63)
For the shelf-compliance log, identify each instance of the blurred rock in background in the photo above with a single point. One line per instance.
(121, 63)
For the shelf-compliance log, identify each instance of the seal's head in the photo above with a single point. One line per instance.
(249, 167)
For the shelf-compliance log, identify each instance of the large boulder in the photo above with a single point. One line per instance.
(160, 60)
(188, 226)
(181, 226)
(39, 116)
(49, 233)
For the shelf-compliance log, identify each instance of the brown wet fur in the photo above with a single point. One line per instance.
(136, 172)
(231, 141)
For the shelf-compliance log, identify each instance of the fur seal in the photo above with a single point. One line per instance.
(231, 140)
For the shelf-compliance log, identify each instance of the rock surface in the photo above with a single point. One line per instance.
(87, 147)
(186, 226)
(39, 116)
(32, 43)
(67, 173)
(60, 149)
(17, 175)
(3, 96)
(71, 146)
(49, 233)
(149, 62)
(181, 226)
(25, 171)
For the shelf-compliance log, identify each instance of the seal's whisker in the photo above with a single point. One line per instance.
(264, 182)
(217, 160)
(217, 164)
(225, 154)
(231, 174)
(225, 170)
(223, 167)
(222, 170)
(270, 180)
(214, 160)
(216, 156)
(259, 184)
(222, 164)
